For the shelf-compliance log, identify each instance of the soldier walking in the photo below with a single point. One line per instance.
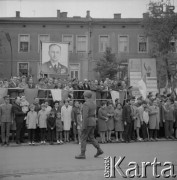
(88, 126)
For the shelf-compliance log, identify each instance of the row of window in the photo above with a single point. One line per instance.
(82, 43)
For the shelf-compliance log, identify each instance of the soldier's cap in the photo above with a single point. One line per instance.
(6, 97)
(88, 94)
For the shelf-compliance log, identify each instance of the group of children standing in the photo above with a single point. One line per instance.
(54, 121)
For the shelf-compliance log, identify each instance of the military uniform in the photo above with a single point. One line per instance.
(6, 121)
(48, 68)
(88, 127)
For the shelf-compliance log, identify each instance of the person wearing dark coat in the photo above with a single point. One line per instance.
(80, 92)
(126, 115)
(102, 118)
(75, 88)
(86, 85)
(175, 119)
(51, 123)
(6, 120)
(31, 84)
(37, 109)
(56, 108)
(88, 126)
(19, 119)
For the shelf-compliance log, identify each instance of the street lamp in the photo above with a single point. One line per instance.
(9, 40)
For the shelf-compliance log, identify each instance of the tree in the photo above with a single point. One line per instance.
(107, 66)
(160, 25)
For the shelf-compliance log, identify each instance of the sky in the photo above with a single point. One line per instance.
(98, 8)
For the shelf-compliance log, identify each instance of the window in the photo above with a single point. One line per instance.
(81, 44)
(42, 38)
(123, 43)
(74, 71)
(142, 44)
(103, 43)
(22, 68)
(24, 43)
(68, 39)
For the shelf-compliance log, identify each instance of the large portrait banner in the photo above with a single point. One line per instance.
(54, 58)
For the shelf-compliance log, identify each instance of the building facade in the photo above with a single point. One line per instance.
(87, 37)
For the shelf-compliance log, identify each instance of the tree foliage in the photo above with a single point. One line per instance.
(107, 66)
(160, 25)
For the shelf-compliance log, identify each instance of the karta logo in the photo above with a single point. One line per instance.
(135, 170)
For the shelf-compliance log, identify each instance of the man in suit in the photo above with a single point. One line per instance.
(31, 84)
(19, 118)
(88, 126)
(86, 85)
(6, 120)
(53, 66)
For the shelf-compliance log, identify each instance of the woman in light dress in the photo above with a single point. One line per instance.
(66, 111)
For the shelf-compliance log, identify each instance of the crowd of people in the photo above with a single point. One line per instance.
(61, 121)
(134, 120)
(57, 83)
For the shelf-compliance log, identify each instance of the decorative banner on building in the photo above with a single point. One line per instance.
(142, 88)
(114, 95)
(144, 69)
(149, 67)
(54, 58)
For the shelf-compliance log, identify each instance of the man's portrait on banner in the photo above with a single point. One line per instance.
(54, 58)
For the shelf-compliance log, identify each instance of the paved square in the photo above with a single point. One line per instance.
(57, 162)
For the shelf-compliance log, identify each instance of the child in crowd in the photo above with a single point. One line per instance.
(24, 104)
(42, 122)
(51, 123)
(145, 130)
(59, 129)
(48, 108)
(31, 122)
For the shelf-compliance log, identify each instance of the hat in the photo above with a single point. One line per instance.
(88, 94)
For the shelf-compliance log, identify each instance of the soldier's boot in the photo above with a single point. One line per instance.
(81, 156)
(99, 152)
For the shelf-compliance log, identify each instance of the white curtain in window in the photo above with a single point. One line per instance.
(104, 43)
(123, 43)
(69, 39)
(81, 44)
